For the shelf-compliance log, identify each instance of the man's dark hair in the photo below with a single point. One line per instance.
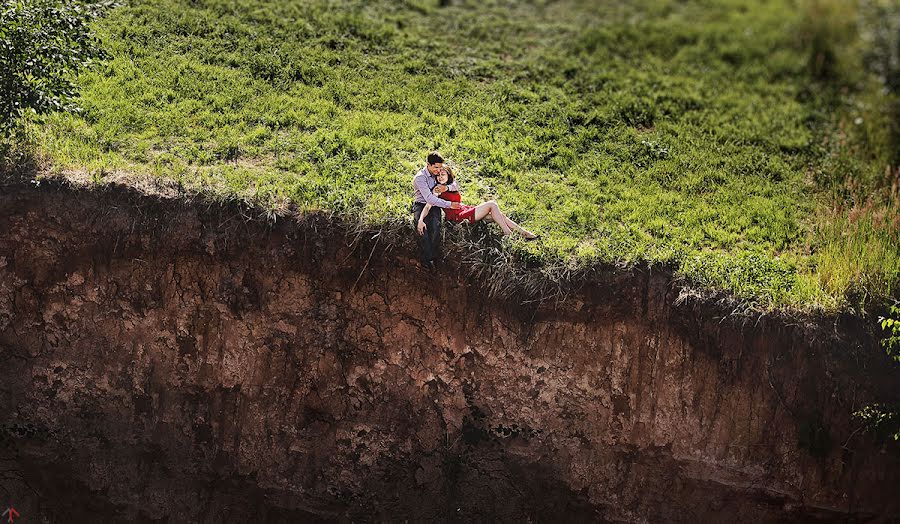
(434, 157)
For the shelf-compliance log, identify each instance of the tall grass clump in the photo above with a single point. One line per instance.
(856, 251)
(827, 32)
(861, 251)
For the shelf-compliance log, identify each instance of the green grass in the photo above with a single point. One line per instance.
(680, 133)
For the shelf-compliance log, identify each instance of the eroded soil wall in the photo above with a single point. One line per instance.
(169, 359)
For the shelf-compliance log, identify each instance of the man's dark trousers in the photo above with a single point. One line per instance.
(430, 241)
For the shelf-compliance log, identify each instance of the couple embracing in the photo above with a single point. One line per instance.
(434, 189)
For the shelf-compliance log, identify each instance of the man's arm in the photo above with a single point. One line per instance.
(420, 227)
(422, 186)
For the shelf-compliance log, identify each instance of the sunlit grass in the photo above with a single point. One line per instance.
(658, 131)
(860, 250)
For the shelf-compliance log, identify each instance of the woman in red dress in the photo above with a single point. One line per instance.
(488, 210)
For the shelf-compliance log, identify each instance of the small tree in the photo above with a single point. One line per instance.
(43, 44)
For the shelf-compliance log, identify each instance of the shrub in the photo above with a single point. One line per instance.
(883, 420)
(43, 43)
(891, 325)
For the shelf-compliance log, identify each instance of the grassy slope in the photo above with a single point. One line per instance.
(668, 131)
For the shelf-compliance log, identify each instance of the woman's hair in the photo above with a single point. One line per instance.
(446, 169)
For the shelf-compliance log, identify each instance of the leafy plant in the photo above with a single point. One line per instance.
(649, 152)
(43, 44)
(881, 420)
(891, 325)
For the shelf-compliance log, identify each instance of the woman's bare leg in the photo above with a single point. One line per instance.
(524, 232)
(491, 210)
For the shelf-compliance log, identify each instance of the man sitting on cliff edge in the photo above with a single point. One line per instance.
(424, 183)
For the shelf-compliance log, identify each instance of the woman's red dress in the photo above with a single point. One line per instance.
(462, 214)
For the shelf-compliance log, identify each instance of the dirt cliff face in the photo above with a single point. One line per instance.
(167, 359)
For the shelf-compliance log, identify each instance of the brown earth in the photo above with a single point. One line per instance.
(172, 360)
